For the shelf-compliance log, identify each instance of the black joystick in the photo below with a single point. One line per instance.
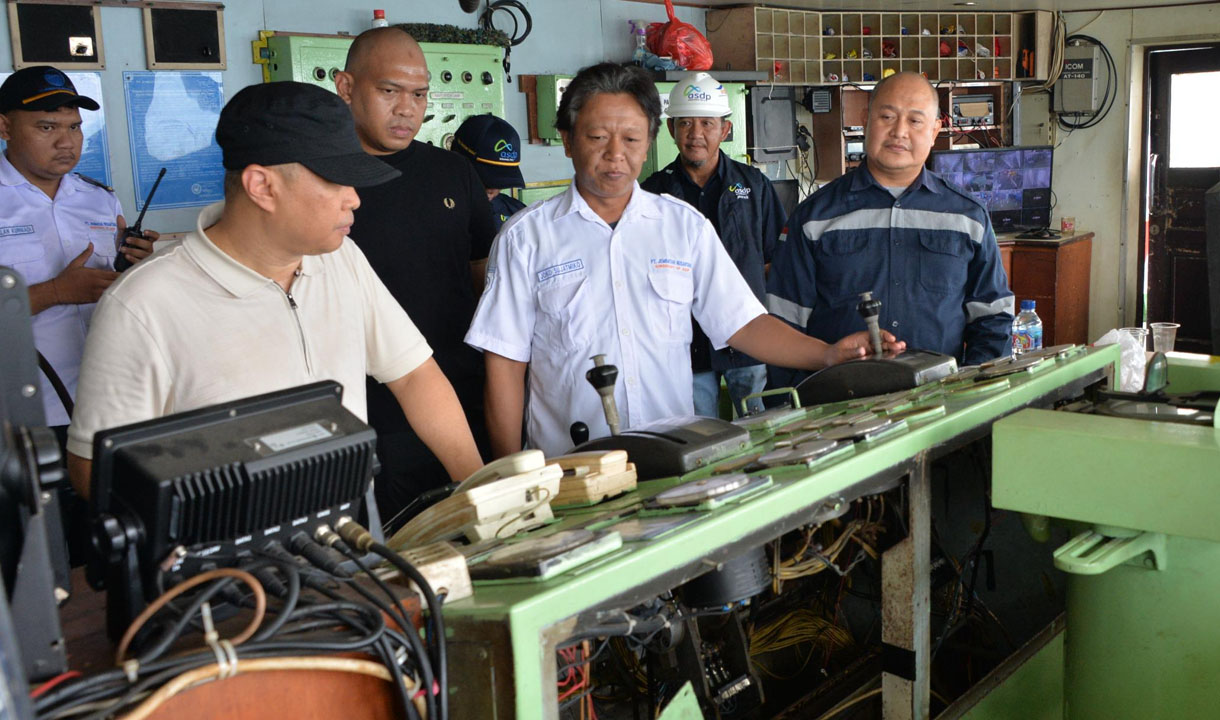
(579, 432)
(870, 310)
(602, 376)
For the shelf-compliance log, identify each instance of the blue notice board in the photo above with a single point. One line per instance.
(95, 151)
(171, 123)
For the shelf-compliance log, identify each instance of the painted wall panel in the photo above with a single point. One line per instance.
(567, 35)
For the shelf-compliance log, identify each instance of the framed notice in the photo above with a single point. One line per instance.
(171, 123)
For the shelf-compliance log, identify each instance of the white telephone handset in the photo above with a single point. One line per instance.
(507, 466)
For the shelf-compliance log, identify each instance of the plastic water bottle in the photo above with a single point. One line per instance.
(1026, 329)
(639, 34)
(379, 19)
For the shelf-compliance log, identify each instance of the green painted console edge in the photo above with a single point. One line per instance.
(1078, 467)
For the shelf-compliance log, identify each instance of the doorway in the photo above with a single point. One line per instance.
(1182, 152)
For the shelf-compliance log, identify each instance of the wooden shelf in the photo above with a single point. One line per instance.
(794, 47)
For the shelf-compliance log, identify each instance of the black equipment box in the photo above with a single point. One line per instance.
(870, 376)
(973, 110)
(676, 445)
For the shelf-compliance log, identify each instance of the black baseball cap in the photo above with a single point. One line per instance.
(292, 122)
(41, 87)
(494, 147)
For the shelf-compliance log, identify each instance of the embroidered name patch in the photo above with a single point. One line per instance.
(16, 230)
(670, 264)
(560, 269)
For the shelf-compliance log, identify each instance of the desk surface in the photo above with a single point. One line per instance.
(1064, 239)
(538, 614)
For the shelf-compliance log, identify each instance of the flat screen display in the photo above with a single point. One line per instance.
(1014, 184)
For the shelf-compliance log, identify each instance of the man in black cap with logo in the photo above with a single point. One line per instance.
(494, 148)
(267, 293)
(58, 229)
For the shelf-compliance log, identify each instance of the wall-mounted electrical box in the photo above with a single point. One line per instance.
(1078, 91)
(465, 79)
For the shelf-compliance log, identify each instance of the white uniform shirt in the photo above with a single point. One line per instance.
(562, 287)
(190, 327)
(38, 238)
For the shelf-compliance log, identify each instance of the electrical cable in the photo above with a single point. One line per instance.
(852, 702)
(62, 677)
(436, 633)
(396, 611)
(105, 684)
(260, 600)
(510, 8)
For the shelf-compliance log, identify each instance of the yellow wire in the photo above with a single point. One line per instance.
(848, 703)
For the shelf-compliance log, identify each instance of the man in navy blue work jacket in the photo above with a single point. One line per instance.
(924, 248)
(742, 207)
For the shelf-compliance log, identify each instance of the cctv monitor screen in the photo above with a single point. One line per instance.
(1014, 183)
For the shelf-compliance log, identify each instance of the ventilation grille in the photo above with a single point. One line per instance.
(226, 502)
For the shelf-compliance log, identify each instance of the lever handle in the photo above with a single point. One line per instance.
(579, 432)
(602, 377)
(869, 309)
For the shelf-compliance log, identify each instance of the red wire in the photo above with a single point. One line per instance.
(53, 682)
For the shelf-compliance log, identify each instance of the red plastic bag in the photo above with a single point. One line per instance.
(681, 41)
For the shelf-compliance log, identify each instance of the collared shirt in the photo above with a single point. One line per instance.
(563, 286)
(705, 199)
(190, 327)
(39, 236)
(748, 217)
(929, 255)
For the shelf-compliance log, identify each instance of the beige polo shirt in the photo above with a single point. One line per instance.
(191, 327)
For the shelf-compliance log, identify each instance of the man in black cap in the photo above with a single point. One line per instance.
(58, 229)
(494, 148)
(267, 293)
(426, 234)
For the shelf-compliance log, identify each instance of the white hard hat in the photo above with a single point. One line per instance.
(698, 95)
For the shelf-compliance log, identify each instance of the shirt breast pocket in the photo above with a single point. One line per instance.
(845, 268)
(560, 324)
(17, 250)
(676, 291)
(942, 262)
(104, 246)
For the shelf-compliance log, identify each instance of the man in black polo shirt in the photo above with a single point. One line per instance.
(743, 208)
(427, 235)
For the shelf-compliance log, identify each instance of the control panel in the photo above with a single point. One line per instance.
(465, 79)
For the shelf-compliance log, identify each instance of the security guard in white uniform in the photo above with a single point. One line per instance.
(57, 229)
(608, 268)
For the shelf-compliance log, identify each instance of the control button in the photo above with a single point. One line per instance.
(487, 78)
(467, 76)
(446, 76)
